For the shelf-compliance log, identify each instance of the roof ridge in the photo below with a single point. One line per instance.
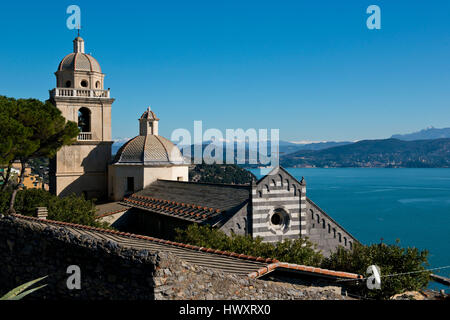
(167, 152)
(207, 183)
(299, 267)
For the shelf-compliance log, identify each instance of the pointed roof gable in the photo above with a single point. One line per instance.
(276, 171)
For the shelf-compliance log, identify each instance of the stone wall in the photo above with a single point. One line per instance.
(108, 271)
(324, 231)
(29, 250)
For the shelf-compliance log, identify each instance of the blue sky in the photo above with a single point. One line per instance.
(310, 68)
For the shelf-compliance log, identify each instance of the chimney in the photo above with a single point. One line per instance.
(41, 213)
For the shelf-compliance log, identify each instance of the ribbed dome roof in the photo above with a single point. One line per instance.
(149, 150)
(149, 115)
(79, 61)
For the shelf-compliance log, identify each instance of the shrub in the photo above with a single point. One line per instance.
(300, 251)
(391, 259)
(74, 209)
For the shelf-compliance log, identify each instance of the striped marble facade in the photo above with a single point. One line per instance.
(279, 192)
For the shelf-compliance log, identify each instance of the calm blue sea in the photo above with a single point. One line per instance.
(412, 205)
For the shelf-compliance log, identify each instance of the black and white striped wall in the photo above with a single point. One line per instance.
(278, 193)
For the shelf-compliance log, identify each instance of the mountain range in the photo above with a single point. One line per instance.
(425, 148)
(386, 153)
(425, 134)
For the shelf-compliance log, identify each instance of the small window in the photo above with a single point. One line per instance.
(97, 84)
(130, 184)
(84, 83)
(68, 84)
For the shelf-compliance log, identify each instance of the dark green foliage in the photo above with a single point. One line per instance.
(300, 251)
(391, 259)
(220, 173)
(31, 129)
(72, 209)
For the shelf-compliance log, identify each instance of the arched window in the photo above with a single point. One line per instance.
(329, 228)
(295, 189)
(68, 83)
(97, 84)
(281, 179)
(318, 218)
(84, 83)
(287, 185)
(84, 120)
(345, 241)
(340, 237)
(312, 214)
(323, 223)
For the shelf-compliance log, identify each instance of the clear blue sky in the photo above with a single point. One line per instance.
(310, 68)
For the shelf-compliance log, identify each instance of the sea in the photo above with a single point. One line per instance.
(385, 204)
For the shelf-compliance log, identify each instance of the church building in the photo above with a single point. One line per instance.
(147, 182)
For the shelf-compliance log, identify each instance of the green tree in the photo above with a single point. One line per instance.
(33, 129)
(74, 209)
(408, 264)
(13, 137)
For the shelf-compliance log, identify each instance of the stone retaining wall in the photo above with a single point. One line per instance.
(110, 271)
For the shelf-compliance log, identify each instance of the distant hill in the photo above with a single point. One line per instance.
(425, 134)
(392, 153)
(288, 147)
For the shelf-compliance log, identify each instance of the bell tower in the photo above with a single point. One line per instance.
(81, 168)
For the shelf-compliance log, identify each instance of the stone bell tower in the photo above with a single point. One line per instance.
(81, 168)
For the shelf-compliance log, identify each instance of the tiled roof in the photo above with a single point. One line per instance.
(79, 61)
(106, 209)
(186, 211)
(149, 150)
(191, 200)
(206, 257)
(301, 268)
(229, 262)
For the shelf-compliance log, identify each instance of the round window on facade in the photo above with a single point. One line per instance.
(279, 219)
(68, 83)
(84, 83)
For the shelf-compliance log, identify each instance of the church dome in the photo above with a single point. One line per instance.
(78, 60)
(149, 115)
(149, 150)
